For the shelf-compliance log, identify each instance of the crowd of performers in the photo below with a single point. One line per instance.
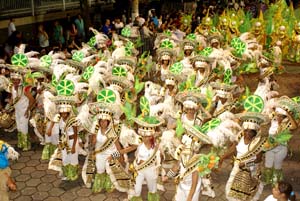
(181, 112)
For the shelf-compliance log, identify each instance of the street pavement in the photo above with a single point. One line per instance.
(35, 182)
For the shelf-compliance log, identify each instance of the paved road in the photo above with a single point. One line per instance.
(36, 182)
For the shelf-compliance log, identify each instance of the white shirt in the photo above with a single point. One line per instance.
(11, 28)
(143, 153)
(270, 198)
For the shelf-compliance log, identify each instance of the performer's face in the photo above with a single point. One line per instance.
(16, 82)
(104, 123)
(64, 115)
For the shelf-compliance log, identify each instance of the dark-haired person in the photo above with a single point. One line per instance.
(282, 191)
(244, 180)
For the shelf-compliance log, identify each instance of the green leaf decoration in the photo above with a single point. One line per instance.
(107, 96)
(138, 86)
(65, 88)
(207, 163)
(283, 137)
(92, 41)
(119, 71)
(235, 42)
(166, 44)
(19, 60)
(54, 81)
(206, 51)
(210, 125)
(296, 99)
(227, 76)
(213, 30)
(150, 119)
(126, 32)
(179, 128)
(254, 103)
(191, 36)
(144, 106)
(78, 56)
(46, 60)
(176, 68)
(130, 112)
(88, 72)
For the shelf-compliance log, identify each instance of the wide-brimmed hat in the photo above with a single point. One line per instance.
(191, 98)
(252, 117)
(148, 124)
(286, 106)
(196, 134)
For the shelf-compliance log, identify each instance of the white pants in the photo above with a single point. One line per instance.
(101, 160)
(275, 157)
(183, 190)
(69, 158)
(54, 138)
(150, 175)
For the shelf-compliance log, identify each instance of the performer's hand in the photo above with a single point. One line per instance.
(49, 132)
(73, 150)
(109, 158)
(11, 185)
(27, 114)
(164, 178)
(241, 165)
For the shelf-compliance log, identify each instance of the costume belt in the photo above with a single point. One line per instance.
(108, 143)
(151, 160)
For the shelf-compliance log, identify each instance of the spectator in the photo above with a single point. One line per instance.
(58, 34)
(107, 28)
(43, 37)
(154, 19)
(282, 191)
(80, 28)
(67, 25)
(11, 26)
(118, 25)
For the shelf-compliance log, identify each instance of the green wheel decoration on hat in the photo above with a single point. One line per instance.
(191, 36)
(296, 99)
(145, 106)
(78, 56)
(92, 41)
(240, 48)
(88, 72)
(19, 60)
(166, 44)
(126, 32)
(54, 81)
(227, 76)
(119, 71)
(168, 32)
(210, 125)
(234, 42)
(65, 88)
(37, 75)
(128, 51)
(176, 68)
(129, 44)
(206, 51)
(254, 103)
(107, 96)
(213, 30)
(46, 60)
